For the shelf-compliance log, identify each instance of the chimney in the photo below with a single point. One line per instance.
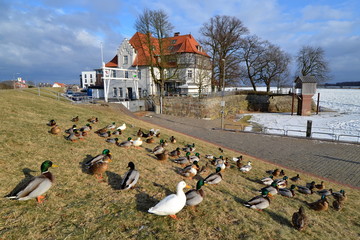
(176, 34)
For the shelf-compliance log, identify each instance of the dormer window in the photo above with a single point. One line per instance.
(126, 59)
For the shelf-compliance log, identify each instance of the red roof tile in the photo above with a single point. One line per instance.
(176, 44)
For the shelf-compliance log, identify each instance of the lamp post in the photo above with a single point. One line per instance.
(222, 104)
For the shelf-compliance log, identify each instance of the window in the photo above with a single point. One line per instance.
(115, 92)
(139, 92)
(90, 75)
(114, 73)
(126, 59)
(85, 80)
(189, 74)
(121, 92)
(139, 74)
(126, 74)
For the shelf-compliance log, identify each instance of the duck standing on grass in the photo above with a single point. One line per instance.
(246, 168)
(126, 144)
(320, 205)
(38, 185)
(214, 178)
(130, 178)
(259, 202)
(99, 164)
(171, 204)
(195, 196)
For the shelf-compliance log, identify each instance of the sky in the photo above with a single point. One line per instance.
(54, 40)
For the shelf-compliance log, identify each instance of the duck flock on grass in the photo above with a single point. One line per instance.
(189, 160)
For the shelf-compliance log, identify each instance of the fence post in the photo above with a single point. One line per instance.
(308, 128)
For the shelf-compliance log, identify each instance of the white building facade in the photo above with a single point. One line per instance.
(88, 78)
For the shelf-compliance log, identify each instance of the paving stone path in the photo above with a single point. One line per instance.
(339, 162)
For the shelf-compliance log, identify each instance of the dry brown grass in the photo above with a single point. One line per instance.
(80, 207)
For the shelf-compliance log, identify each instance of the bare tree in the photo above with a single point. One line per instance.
(311, 61)
(202, 76)
(157, 27)
(275, 67)
(222, 37)
(253, 59)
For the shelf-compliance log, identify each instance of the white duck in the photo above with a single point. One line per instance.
(137, 143)
(122, 127)
(171, 204)
(246, 168)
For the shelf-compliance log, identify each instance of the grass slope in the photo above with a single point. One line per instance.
(80, 207)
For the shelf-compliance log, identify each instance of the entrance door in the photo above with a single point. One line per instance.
(130, 93)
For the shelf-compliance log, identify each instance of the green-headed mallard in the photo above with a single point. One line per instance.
(214, 178)
(286, 192)
(339, 196)
(75, 119)
(70, 130)
(281, 182)
(246, 168)
(183, 160)
(195, 158)
(111, 126)
(130, 178)
(72, 136)
(320, 205)
(38, 185)
(112, 140)
(295, 178)
(273, 189)
(195, 196)
(126, 144)
(172, 139)
(190, 171)
(55, 130)
(99, 164)
(299, 219)
(171, 204)
(105, 134)
(189, 148)
(162, 156)
(159, 148)
(86, 128)
(117, 132)
(175, 153)
(259, 202)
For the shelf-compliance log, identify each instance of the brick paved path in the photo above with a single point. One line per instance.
(335, 161)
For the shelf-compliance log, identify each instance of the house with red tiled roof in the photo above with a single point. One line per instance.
(128, 75)
(59, 85)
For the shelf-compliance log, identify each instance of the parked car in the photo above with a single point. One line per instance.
(78, 96)
(69, 93)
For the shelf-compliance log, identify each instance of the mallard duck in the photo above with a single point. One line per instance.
(286, 192)
(162, 156)
(339, 196)
(311, 184)
(221, 150)
(189, 148)
(93, 120)
(191, 170)
(55, 130)
(137, 142)
(150, 140)
(320, 186)
(72, 136)
(183, 160)
(51, 123)
(86, 128)
(130, 178)
(112, 140)
(99, 164)
(273, 189)
(126, 144)
(246, 168)
(111, 126)
(172, 139)
(75, 119)
(117, 132)
(146, 135)
(259, 202)
(122, 127)
(299, 219)
(295, 178)
(80, 135)
(175, 153)
(105, 134)
(282, 182)
(214, 178)
(238, 161)
(38, 185)
(209, 157)
(276, 172)
(195, 158)
(159, 148)
(171, 204)
(101, 130)
(195, 196)
(325, 192)
(282, 173)
(139, 133)
(221, 163)
(320, 205)
(337, 205)
(71, 130)
(267, 180)
(305, 190)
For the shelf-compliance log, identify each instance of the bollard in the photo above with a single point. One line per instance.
(308, 129)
